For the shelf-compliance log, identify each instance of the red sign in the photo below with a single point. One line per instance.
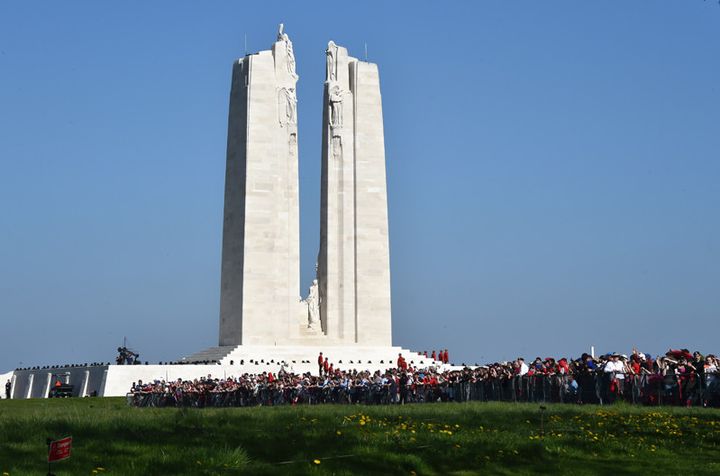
(60, 449)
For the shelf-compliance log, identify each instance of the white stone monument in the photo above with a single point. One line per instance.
(264, 324)
(260, 302)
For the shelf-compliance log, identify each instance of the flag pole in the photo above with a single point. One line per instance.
(48, 441)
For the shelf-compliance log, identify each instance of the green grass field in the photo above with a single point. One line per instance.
(470, 438)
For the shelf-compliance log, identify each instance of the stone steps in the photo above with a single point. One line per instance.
(302, 357)
(213, 353)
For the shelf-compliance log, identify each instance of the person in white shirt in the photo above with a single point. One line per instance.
(523, 366)
(614, 365)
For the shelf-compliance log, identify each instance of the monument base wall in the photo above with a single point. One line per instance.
(116, 380)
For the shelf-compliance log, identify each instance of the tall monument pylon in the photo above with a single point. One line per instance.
(260, 287)
(354, 260)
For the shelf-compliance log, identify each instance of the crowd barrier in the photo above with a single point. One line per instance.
(603, 388)
(646, 389)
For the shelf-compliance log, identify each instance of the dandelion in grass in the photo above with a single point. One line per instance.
(316, 461)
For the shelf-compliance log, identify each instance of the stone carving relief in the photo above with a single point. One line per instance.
(287, 106)
(336, 107)
(292, 143)
(337, 151)
(288, 50)
(331, 60)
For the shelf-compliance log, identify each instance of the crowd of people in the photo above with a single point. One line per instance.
(676, 378)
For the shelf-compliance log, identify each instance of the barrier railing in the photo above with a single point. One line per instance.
(596, 388)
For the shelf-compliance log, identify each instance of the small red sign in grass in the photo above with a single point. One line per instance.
(59, 450)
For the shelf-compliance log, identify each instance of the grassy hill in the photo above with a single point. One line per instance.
(471, 438)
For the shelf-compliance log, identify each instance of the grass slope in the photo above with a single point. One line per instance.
(472, 438)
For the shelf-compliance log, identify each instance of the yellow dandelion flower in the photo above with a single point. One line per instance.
(316, 461)
(338, 433)
(362, 422)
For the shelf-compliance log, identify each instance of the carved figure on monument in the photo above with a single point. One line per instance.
(331, 60)
(293, 144)
(313, 303)
(288, 50)
(287, 106)
(336, 107)
(337, 148)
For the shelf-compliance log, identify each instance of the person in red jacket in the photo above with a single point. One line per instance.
(446, 357)
(326, 365)
(563, 366)
(321, 360)
(432, 356)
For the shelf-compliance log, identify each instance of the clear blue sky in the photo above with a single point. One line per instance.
(553, 171)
